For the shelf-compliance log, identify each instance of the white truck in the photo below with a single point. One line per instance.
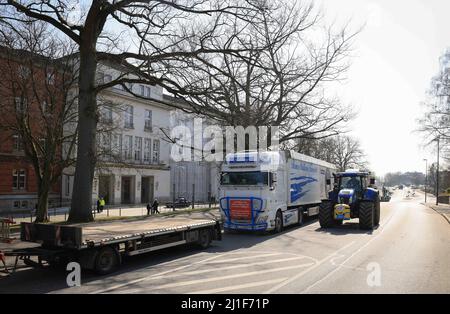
(266, 191)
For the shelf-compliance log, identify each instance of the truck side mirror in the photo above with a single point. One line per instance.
(328, 181)
(372, 181)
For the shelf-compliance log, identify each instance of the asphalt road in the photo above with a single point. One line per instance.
(408, 253)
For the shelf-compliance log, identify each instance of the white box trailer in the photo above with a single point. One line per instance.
(265, 191)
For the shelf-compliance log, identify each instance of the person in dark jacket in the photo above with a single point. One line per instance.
(155, 207)
(149, 209)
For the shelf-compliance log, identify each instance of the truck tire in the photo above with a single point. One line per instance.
(366, 215)
(377, 212)
(326, 215)
(300, 217)
(107, 260)
(204, 239)
(278, 222)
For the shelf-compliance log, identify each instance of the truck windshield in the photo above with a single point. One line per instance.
(353, 183)
(245, 178)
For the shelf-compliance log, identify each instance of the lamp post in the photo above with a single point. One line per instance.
(437, 172)
(426, 178)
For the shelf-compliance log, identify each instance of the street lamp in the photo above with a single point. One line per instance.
(437, 172)
(426, 178)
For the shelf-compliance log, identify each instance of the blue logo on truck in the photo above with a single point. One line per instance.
(297, 189)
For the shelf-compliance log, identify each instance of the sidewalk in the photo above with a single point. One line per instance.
(442, 209)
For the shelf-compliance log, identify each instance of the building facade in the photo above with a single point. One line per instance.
(133, 163)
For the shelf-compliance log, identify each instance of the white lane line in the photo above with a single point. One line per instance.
(128, 283)
(286, 282)
(243, 286)
(351, 256)
(242, 258)
(246, 274)
(198, 272)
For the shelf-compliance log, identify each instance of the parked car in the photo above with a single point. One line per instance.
(179, 203)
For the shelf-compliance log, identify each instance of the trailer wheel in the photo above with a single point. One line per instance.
(326, 216)
(300, 217)
(107, 260)
(366, 215)
(279, 222)
(204, 239)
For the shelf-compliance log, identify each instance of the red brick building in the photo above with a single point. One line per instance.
(18, 180)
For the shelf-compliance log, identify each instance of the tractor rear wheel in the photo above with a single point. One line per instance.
(326, 215)
(377, 212)
(366, 215)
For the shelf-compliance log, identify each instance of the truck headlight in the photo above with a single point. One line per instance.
(257, 204)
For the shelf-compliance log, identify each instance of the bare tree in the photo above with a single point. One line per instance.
(37, 103)
(436, 121)
(148, 38)
(282, 85)
(343, 151)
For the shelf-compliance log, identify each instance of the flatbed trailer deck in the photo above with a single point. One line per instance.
(100, 246)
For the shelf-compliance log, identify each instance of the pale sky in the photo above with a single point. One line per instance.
(395, 57)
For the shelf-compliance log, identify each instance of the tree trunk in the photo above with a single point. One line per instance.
(42, 209)
(81, 205)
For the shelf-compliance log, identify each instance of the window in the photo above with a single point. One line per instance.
(245, 178)
(155, 158)
(105, 145)
(67, 185)
(148, 121)
(21, 104)
(24, 204)
(147, 150)
(149, 92)
(129, 117)
(107, 78)
(142, 90)
(107, 114)
(51, 77)
(137, 148)
(19, 179)
(16, 204)
(116, 145)
(24, 72)
(127, 147)
(17, 143)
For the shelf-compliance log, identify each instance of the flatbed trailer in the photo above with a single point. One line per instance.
(101, 246)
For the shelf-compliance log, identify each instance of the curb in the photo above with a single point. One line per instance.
(442, 214)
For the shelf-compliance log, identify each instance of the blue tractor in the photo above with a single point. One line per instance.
(354, 196)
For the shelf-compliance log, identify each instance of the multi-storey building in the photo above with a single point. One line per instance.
(18, 180)
(133, 166)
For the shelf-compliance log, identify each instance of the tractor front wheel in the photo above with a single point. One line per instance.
(326, 215)
(377, 212)
(367, 215)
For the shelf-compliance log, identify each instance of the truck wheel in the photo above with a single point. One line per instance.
(377, 212)
(107, 260)
(279, 222)
(204, 239)
(300, 217)
(326, 215)
(367, 215)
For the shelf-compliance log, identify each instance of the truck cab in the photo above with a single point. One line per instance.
(251, 184)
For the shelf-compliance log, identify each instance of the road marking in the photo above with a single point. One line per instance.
(198, 272)
(243, 258)
(288, 281)
(155, 275)
(205, 280)
(351, 256)
(243, 286)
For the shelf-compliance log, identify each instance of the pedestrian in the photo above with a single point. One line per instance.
(155, 206)
(149, 209)
(102, 204)
(98, 206)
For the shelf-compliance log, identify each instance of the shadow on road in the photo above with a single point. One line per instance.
(48, 280)
(345, 229)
